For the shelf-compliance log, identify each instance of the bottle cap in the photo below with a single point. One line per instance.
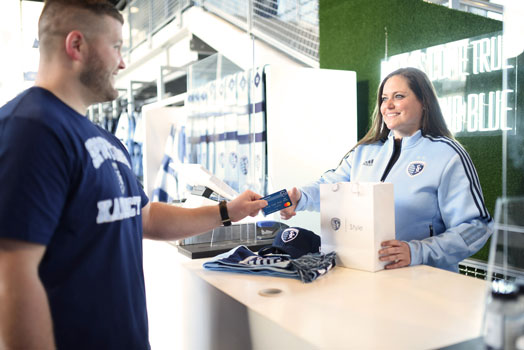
(502, 289)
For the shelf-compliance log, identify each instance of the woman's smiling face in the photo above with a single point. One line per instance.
(400, 108)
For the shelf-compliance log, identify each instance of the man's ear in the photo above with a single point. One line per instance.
(75, 45)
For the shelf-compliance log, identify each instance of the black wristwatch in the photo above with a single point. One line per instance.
(226, 221)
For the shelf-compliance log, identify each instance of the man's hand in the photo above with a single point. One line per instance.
(396, 251)
(289, 212)
(247, 203)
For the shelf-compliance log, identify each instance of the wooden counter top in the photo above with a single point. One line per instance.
(418, 307)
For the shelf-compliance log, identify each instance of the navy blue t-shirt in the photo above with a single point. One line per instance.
(68, 184)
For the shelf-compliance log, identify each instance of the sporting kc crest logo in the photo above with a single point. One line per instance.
(415, 168)
(289, 234)
(335, 223)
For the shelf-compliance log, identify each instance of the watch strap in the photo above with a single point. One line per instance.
(224, 215)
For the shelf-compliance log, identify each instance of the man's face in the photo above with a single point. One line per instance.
(103, 62)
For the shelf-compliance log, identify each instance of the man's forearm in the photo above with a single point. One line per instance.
(167, 222)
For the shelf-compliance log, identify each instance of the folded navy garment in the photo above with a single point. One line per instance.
(240, 259)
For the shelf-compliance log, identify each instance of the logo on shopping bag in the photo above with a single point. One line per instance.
(335, 224)
(415, 168)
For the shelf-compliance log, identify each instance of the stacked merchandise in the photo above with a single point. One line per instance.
(227, 131)
(295, 253)
(231, 122)
(167, 186)
(220, 131)
(129, 131)
(211, 125)
(245, 138)
(258, 129)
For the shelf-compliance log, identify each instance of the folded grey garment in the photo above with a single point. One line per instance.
(313, 265)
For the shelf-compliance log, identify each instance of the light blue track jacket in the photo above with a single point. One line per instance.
(435, 185)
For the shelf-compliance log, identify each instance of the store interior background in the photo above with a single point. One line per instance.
(350, 35)
(428, 25)
(343, 35)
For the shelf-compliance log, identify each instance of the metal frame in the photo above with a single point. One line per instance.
(484, 5)
(479, 269)
(156, 19)
(293, 30)
(286, 30)
(475, 4)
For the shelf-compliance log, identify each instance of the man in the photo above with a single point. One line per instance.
(72, 213)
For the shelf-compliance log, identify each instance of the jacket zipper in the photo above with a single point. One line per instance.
(397, 145)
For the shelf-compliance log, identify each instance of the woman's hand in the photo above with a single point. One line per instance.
(396, 251)
(289, 212)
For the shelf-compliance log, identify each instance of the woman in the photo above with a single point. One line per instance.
(440, 215)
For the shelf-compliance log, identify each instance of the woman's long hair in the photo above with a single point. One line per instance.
(432, 122)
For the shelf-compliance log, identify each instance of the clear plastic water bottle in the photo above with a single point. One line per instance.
(504, 317)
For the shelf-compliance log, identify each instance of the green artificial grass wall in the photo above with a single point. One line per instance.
(352, 37)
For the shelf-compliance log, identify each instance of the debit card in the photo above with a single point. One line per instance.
(276, 201)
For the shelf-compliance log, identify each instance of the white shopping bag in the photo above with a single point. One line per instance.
(355, 219)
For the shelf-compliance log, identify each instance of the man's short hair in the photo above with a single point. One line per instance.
(59, 17)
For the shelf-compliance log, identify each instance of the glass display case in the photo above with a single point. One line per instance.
(503, 326)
